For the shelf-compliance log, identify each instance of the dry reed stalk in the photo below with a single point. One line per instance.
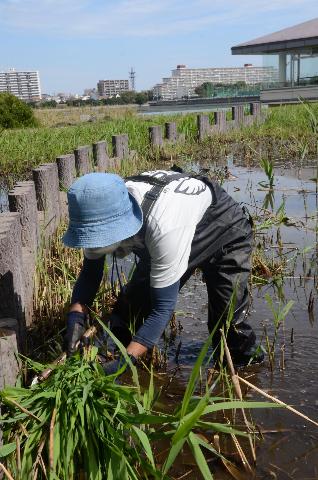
(51, 444)
(184, 475)
(24, 430)
(38, 460)
(230, 467)
(43, 466)
(24, 410)
(276, 400)
(6, 472)
(18, 450)
(238, 391)
(241, 453)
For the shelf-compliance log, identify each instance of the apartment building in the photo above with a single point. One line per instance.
(184, 81)
(111, 88)
(24, 85)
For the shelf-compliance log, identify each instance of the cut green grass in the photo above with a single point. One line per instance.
(83, 422)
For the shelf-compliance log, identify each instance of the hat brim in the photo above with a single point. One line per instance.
(104, 234)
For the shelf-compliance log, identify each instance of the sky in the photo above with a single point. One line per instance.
(75, 43)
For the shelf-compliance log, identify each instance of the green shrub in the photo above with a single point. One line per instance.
(15, 113)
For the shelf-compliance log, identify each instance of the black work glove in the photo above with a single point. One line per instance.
(75, 327)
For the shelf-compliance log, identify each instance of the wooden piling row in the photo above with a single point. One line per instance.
(221, 124)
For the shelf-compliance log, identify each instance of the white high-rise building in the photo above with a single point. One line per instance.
(24, 85)
(184, 81)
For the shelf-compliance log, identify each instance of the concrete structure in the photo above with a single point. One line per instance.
(24, 85)
(184, 81)
(294, 52)
(111, 88)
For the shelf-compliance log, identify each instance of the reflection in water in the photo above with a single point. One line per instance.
(290, 446)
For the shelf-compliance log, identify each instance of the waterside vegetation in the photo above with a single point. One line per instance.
(288, 132)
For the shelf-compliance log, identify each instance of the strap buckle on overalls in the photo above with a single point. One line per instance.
(151, 195)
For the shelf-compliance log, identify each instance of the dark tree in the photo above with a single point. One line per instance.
(15, 113)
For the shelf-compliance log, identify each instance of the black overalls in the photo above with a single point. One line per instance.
(221, 248)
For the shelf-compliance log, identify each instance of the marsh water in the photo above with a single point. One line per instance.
(289, 448)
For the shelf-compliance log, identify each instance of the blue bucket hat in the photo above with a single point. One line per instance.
(101, 211)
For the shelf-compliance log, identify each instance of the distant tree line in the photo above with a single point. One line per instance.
(125, 98)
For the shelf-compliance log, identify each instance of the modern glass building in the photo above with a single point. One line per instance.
(294, 52)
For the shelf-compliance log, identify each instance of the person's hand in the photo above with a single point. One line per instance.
(75, 327)
(112, 367)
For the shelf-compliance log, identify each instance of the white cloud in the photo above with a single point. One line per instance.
(97, 18)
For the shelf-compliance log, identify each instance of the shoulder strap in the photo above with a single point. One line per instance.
(158, 184)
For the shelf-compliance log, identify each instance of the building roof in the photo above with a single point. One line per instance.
(299, 38)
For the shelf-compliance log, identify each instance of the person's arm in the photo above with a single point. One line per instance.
(169, 254)
(87, 284)
(163, 301)
(83, 295)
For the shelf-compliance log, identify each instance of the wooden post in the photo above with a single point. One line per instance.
(66, 170)
(255, 109)
(82, 160)
(22, 199)
(47, 194)
(238, 115)
(220, 120)
(155, 136)
(125, 145)
(171, 131)
(12, 271)
(120, 146)
(204, 128)
(100, 155)
(9, 366)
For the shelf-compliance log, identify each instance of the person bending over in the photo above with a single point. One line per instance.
(174, 223)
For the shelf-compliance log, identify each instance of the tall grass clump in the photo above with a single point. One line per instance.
(82, 423)
(80, 420)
